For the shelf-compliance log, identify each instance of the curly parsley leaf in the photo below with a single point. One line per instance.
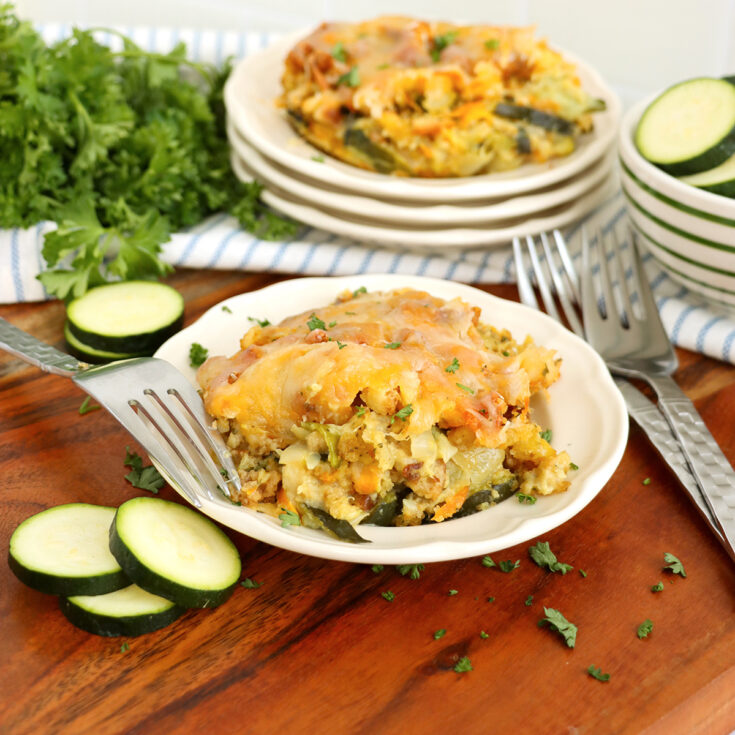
(144, 478)
(527, 499)
(658, 587)
(645, 628)
(558, 623)
(596, 673)
(403, 413)
(487, 561)
(546, 435)
(289, 518)
(439, 43)
(453, 366)
(197, 354)
(439, 633)
(250, 584)
(509, 566)
(376, 568)
(314, 322)
(388, 595)
(542, 554)
(350, 78)
(463, 665)
(413, 571)
(674, 565)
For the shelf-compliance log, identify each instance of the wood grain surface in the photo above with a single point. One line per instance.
(317, 649)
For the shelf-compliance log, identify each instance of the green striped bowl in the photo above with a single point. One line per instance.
(689, 231)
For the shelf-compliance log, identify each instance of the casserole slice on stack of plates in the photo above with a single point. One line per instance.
(399, 211)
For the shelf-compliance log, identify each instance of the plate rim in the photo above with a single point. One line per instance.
(526, 523)
(459, 189)
(454, 238)
(351, 203)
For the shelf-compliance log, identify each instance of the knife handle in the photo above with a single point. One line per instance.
(710, 467)
(32, 350)
(647, 415)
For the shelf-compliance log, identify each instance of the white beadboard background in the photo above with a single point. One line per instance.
(640, 46)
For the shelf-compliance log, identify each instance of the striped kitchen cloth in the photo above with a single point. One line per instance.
(219, 242)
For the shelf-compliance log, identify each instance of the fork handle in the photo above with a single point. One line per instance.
(710, 467)
(32, 350)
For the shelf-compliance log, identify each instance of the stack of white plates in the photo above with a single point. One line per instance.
(413, 213)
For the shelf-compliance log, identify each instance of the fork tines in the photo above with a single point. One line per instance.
(554, 275)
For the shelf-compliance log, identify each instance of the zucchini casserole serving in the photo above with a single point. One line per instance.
(416, 98)
(388, 408)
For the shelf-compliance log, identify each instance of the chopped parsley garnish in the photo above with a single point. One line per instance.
(350, 78)
(360, 411)
(144, 478)
(452, 367)
(545, 557)
(487, 561)
(647, 481)
(404, 413)
(289, 518)
(483, 635)
(658, 587)
(125, 647)
(314, 322)
(440, 43)
(463, 665)
(558, 623)
(440, 633)
(674, 565)
(319, 158)
(413, 571)
(596, 673)
(332, 324)
(227, 309)
(197, 354)
(645, 628)
(452, 593)
(259, 322)
(582, 573)
(341, 345)
(377, 568)
(392, 345)
(505, 353)
(528, 499)
(338, 52)
(86, 407)
(388, 595)
(529, 601)
(491, 44)
(546, 435)
(509, 566)
(491, 599)
(573, 466)
(465, 388)
(358, 291)
(250, 584)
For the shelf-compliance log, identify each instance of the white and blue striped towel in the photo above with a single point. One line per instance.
(218, 242)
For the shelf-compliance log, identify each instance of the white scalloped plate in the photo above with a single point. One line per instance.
(416, 213)
(411, 237)
(586, 414)
(250, 98)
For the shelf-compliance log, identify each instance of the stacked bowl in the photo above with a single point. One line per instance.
(409, 213)
(690, 231)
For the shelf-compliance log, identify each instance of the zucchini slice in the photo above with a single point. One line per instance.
(175, 552)
(690, 127)
(89, 354)
(532, 116)
(719, 180)
(341, 529)
(496, 494)
(133, 317)
(130, 611)
(64, 551)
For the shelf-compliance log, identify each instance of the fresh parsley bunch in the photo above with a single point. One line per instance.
(119, 148)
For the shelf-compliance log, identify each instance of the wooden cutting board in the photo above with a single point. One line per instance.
(318, 649)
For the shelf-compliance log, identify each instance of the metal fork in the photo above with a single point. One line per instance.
(637, 346)
(154, 402)
(555, 276)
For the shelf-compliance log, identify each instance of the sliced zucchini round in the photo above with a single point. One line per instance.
(65, 551)
(126, 318)
(690, 127)
(173, 551)
(89, 354)
(719, 180)
(130, 611)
